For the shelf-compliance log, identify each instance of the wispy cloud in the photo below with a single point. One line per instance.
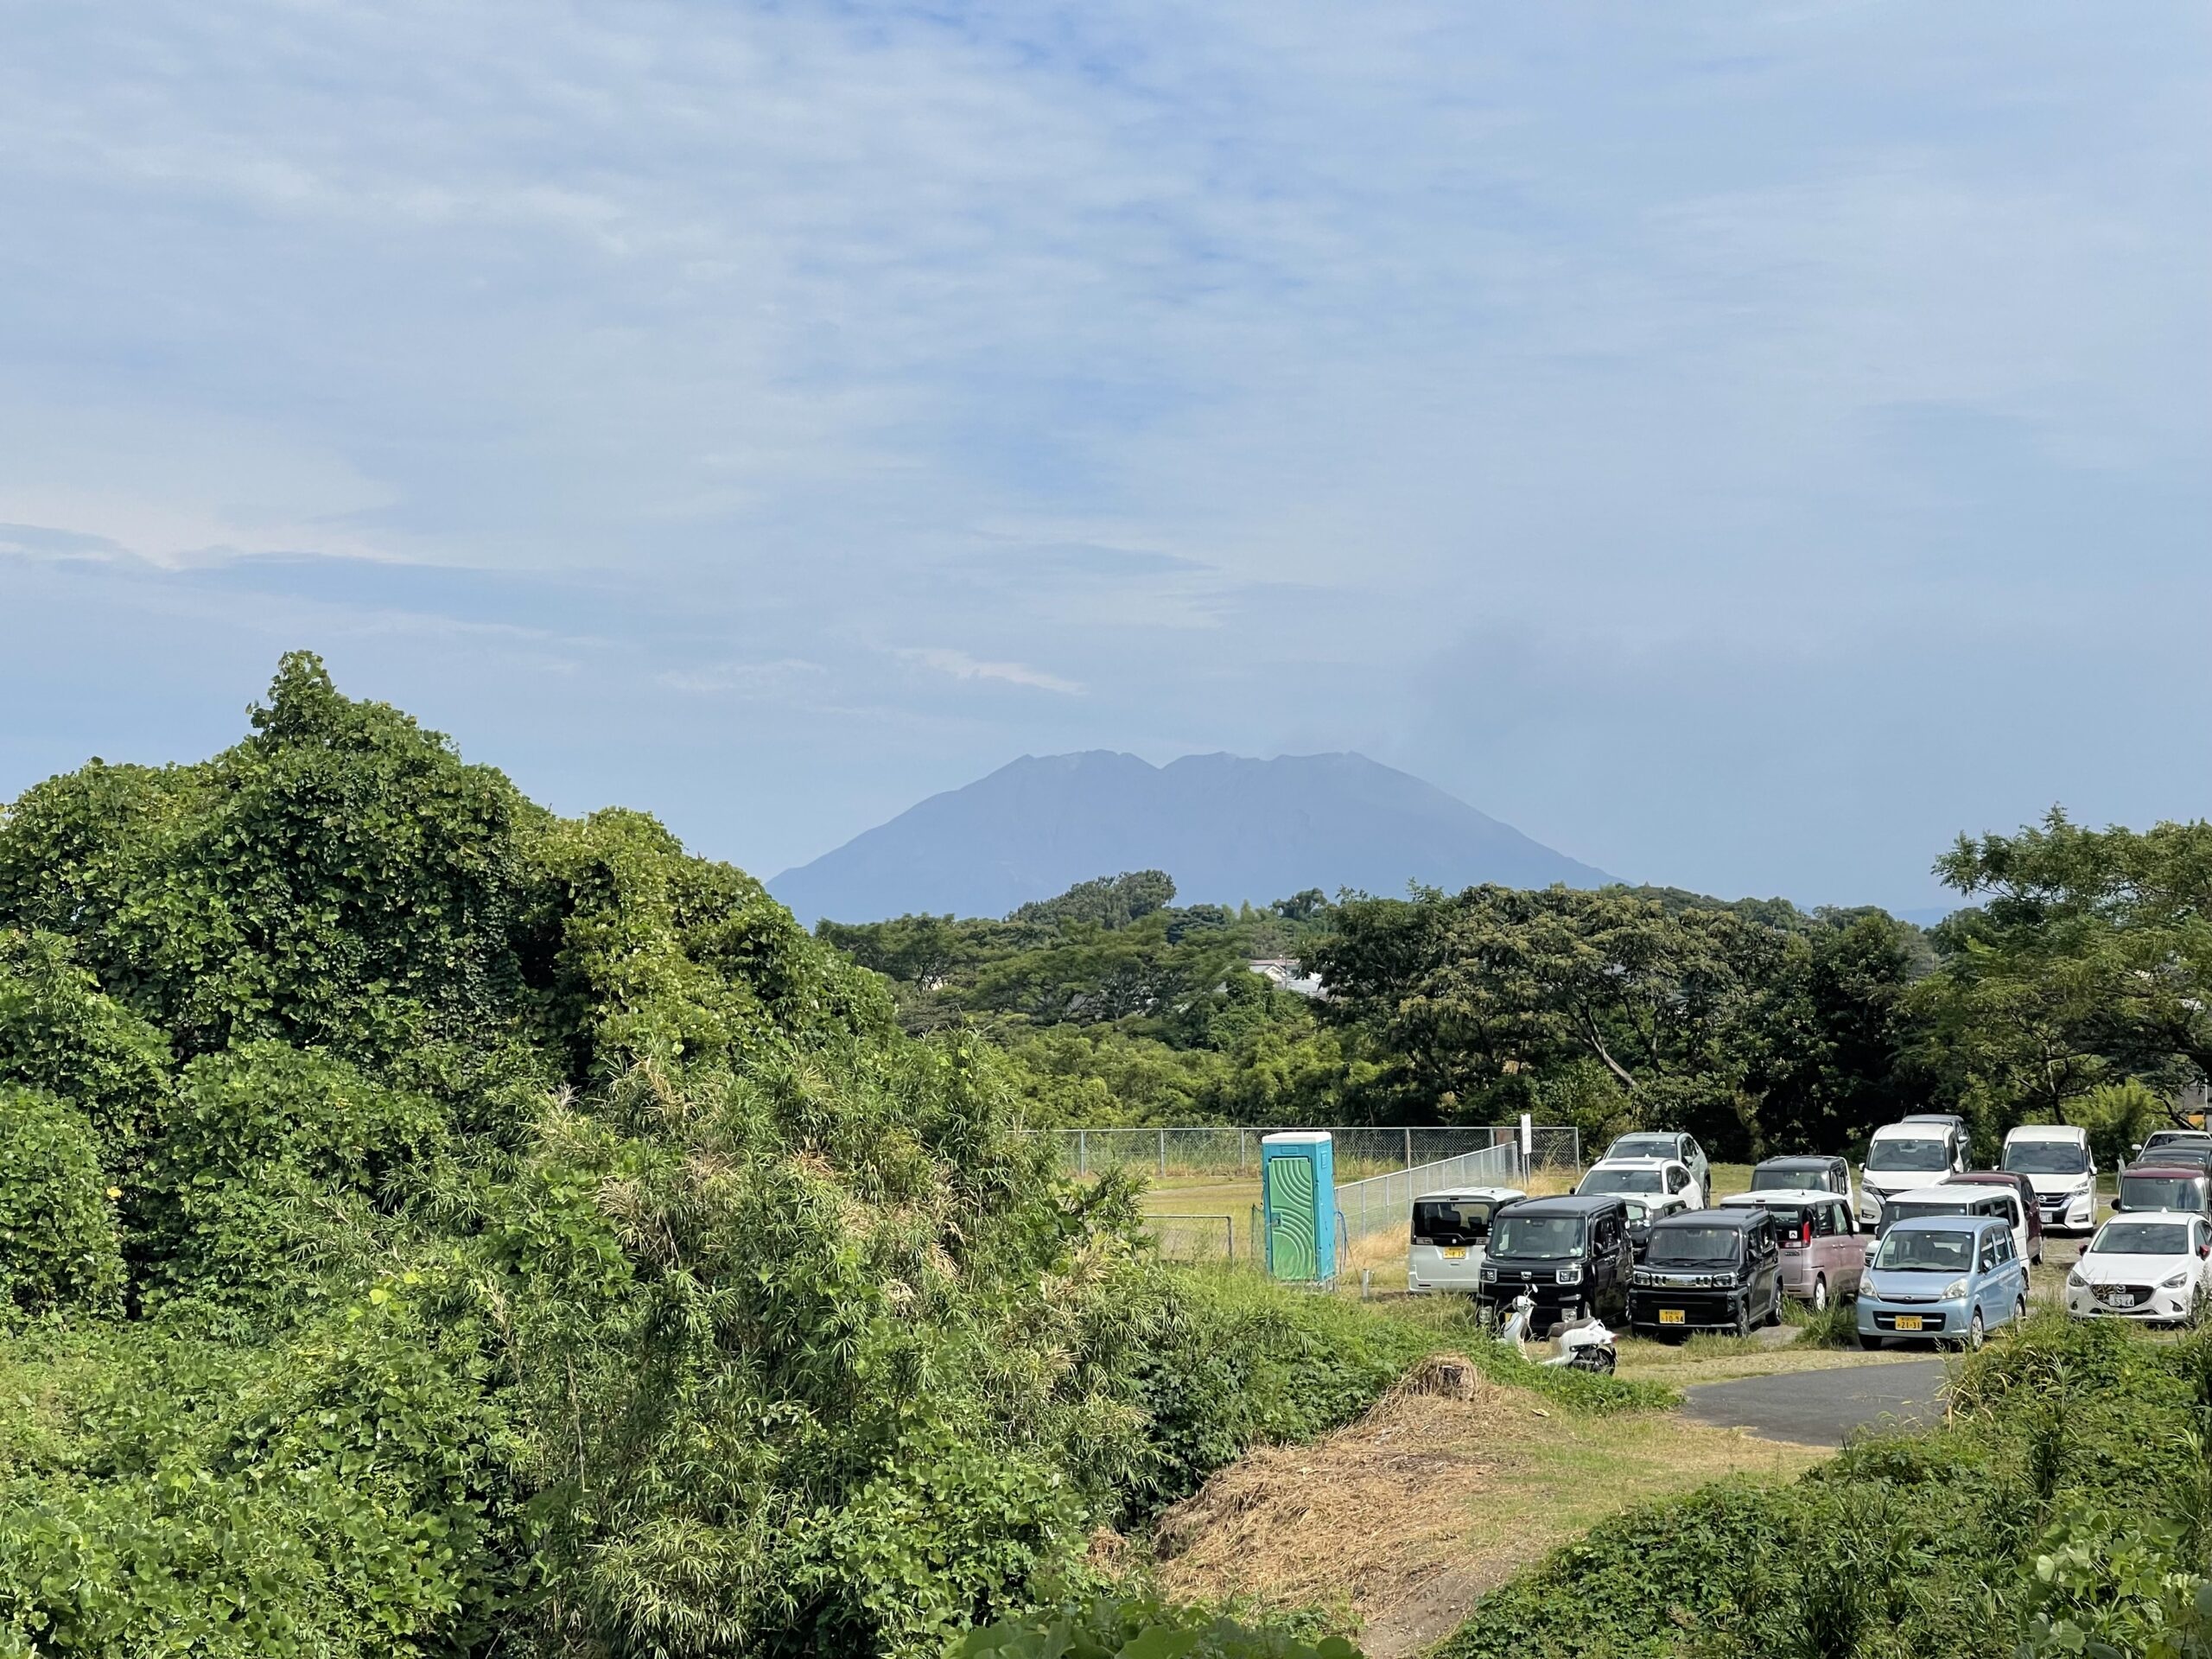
(961, 666)
(777, 682)
(1206, 370)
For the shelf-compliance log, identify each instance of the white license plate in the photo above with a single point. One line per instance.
(1908, 1321)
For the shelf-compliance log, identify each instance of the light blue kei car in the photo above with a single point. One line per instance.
(1942, 1279)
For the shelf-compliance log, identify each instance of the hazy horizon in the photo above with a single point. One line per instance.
(1739, 450)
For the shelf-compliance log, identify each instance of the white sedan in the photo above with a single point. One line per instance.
(2147, 1264)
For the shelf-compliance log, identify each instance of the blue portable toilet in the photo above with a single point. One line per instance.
(1297, 1201)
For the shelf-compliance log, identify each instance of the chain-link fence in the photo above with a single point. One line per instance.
(1385, 1203)
(1219, 1154)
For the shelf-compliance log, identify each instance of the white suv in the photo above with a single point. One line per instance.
(2055, 1157)
(1664, 1185)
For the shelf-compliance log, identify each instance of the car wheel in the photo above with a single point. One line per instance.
(1774, 1307)
(1819, 1292)
(1869, 1342)
(1744, 1318)
(2020, 1309)
(1974, 1332)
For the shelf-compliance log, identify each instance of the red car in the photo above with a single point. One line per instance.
(2021, 1185)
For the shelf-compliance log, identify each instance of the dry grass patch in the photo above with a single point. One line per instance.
(1399, 1523)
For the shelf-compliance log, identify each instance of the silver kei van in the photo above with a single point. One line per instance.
(1451, 1236)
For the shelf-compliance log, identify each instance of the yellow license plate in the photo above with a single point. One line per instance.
(1455, 1253)
(1672, 1316)
(1908, 1321)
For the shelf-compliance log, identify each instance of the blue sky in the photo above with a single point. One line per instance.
(1740, 446)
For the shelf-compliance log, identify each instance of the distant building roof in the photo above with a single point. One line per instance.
(1285, 973)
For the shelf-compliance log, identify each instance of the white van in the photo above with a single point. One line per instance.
(2056, 1159)
(1904, 1155)
(1451, 1236)
(1920, 1203)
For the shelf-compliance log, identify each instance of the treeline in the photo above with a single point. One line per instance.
(431, 1226)
(2074, 986)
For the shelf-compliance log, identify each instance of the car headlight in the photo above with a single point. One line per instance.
(1644, 1278)
(1488, 1274)
(2177, 1282)
(1955, 1289)
(1571, 1274)
(2074, 1281)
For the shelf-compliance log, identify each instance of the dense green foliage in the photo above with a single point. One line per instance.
(2077, 991)
(1115, 1627)
(432, 1226)
(1120, 1006)
(2067, 1509)
(58, 1251)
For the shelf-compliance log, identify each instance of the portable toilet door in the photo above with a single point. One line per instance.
(1298, 1200)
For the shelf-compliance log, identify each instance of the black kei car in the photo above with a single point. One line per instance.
(1570, 1253)
(1707, 1270)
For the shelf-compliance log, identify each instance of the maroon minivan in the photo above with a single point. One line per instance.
(1822, 1255)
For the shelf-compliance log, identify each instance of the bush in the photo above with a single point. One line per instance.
(266, 1157)
(1994, 1536)
(2119, 1116)
(58, 1245)
(1139, 1628)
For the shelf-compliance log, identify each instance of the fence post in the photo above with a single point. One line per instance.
(1409, 1149)
(1082, 1154)
(1243, 1135)
(1163, 1154)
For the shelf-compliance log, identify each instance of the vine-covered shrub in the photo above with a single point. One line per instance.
(536, 1243)
(58, 1252)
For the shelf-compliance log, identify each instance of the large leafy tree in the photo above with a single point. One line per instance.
(1620, 1006)
(2087, 958)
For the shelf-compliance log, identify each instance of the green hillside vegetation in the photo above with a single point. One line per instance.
(429, 1225)
(2078, 989)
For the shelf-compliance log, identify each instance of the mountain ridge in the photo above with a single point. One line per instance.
(1227, 828)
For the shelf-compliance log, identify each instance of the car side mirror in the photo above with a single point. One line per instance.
(2204, 1249)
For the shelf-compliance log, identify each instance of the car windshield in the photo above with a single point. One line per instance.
(1908, 1154)
(1544, 1238)
(1451, 1220)
(2142, 1238)
(1602, 1180)
(1694, 1246)
(2170, 1139)
(1922, 1249)
(2159, 1192)
(2045, 1158)
(1786, 1173)
(1641, 1146)
(1920, 1209)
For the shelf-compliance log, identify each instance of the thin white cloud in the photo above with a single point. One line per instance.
(785, 680)
(961, 666)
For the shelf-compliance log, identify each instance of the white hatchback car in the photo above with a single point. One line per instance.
(1665, 1184)
(2146, 1264)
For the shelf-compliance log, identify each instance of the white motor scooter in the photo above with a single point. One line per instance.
(1583, 1344)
